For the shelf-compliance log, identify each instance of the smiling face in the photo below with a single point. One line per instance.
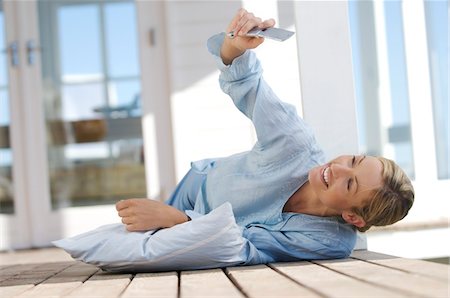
(346, 182)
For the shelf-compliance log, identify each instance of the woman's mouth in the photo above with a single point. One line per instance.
(325, 175)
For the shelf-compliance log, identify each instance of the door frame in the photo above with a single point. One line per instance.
(14, 228)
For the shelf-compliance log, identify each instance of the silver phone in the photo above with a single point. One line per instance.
(278, 34)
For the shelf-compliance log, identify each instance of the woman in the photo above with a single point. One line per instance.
(290, 204)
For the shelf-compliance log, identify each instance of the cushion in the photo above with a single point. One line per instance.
(207, 241)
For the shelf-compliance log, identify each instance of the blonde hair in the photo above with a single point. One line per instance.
(392, 201)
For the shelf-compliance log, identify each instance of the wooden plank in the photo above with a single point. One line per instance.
(11, 291)
(50, 290)
(17, 279)
(257, 281)
(63, 282)
(31, 256)
(27, 276)
(330, 283)
(78, 272)
(207, 283)
(102, 284)
(35, 274)
(163, 284)
(3, 267)
(420, 267)
(8, 272)
(388, 278)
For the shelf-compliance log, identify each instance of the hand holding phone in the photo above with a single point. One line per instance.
(278, 34)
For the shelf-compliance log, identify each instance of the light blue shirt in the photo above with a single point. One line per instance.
(259, 182)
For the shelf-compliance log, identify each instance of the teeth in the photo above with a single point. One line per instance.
(325, 175)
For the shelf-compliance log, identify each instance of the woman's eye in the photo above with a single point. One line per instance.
(353, 160)
(349, 184)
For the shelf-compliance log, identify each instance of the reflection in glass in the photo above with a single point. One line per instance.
(92, 102)
(436, 14)
(125, 99)
(6, 183)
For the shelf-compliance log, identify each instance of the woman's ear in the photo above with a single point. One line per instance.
(353, 219)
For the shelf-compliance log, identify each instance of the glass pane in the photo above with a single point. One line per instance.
(3, 60)
(6, 186)
(121, 39)
(368, 79)
(436, 14)
(79, 40)
(4, 107)
(93, 122)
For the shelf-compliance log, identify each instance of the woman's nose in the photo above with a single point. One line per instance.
(339, 170)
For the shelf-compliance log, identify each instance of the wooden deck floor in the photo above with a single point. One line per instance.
(52, 273)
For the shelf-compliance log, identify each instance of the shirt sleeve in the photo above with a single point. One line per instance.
(283, 246)
(273, 119)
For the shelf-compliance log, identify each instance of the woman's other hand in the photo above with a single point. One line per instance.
(146, 214)
(242, 22)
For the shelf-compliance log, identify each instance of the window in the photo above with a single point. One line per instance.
(91, 76)
(381, 80)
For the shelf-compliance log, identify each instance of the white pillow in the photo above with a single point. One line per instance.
(207, 241)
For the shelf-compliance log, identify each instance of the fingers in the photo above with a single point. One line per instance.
(245, 21)
(267, 24)
(241, 12)
(125, 212)
(122, 204)
(131, 224)
(138, 214)
(127, 220)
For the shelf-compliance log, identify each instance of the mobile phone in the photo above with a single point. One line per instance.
(278, 34)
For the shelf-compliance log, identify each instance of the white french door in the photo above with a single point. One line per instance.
(71, 133)
(14, 220)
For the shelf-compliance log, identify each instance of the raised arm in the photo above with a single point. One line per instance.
(276, 122)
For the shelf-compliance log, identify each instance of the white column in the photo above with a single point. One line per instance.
(419, 89)
(326, 74)
(155, 96)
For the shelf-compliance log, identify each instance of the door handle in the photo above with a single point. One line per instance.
(13, 51)
(32, 48)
